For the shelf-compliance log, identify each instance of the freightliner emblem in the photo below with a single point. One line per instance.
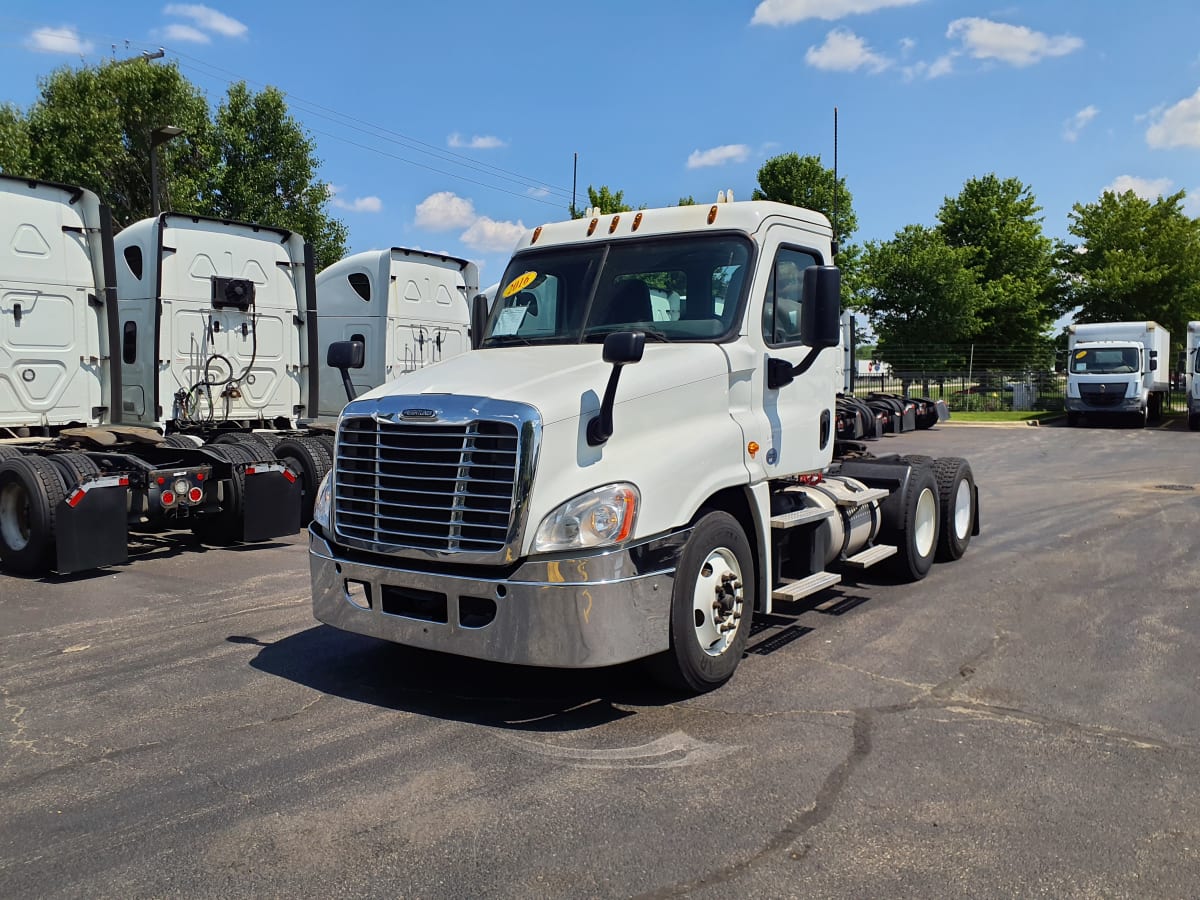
(419, 413)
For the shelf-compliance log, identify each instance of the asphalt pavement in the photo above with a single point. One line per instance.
(1022, 722)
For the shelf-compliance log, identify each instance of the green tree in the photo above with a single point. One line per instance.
(923, 298)
(266, 171)
(92, 127)
(996, 222)
(14, 141)
(803, 181)
(1136, 260)
(689, 200)
(605, 200)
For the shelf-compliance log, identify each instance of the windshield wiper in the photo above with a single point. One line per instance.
(508, 340)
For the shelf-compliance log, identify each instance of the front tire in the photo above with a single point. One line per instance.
(712, 605)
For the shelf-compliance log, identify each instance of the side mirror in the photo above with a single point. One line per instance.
(479, 314)
(346, 355)
(624, 347)
(820, 322)
(620, 349)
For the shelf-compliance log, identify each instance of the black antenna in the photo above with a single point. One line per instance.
(835, 184)
(574, 180)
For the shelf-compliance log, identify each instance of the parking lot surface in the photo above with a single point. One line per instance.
(1023, 722)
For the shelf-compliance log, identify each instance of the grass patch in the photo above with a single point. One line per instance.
(1003, 415)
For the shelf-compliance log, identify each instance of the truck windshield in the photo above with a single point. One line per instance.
(1105, 361)
(683, 289)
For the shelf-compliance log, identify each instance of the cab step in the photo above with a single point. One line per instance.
(806, 586)
(800, 517)
(867, 558)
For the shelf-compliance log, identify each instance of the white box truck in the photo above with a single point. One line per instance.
(1117, 368)
(595, 483)
(1191, 359)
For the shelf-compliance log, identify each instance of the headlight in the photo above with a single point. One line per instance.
(324, 501)
(603, 516)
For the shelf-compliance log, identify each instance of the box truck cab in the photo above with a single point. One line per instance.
(1117, 368)
(604, 479)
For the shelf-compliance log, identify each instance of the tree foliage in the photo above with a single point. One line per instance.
(93, 127)
(266, 171)
(996, 222)
(1136, 260)
(924, 299)
(803, 181)
(603, 199)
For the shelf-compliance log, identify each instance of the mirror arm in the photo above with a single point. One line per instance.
(600, 426)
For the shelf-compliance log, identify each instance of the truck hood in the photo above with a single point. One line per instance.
(561, 381)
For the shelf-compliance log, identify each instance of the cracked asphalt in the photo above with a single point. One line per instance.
(1022, 723)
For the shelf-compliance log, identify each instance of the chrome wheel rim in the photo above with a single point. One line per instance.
(717, 601)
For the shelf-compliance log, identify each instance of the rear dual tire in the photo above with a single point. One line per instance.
(30, 490)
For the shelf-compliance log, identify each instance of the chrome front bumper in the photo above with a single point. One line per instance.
(1127, 404)
(597, 610)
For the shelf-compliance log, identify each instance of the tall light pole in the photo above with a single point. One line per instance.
(158, 136)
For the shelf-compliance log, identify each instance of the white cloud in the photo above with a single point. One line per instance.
(789, 12)
(907, 45)
(538, 192)
(1013, 44)
(718, 156)
(489, 236)
(1146, 188)
(1075, 125)
(1191, 203)
(185, 33)
(476, 141)
(369, 204)
(444, 211)
(1176, 126)
(58, 40)
(207, 18)
(845, 51)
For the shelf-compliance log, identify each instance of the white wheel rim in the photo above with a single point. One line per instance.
(926, 523)
(717, 601)
(962, 509)
(14, 516)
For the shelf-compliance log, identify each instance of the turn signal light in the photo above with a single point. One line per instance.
(195, 495)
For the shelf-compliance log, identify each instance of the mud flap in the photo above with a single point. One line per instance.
(91, 528)
(272, 502)
(943, 411)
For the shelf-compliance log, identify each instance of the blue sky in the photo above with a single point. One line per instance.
(449, 126)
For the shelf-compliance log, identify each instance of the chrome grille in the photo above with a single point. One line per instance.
(428, 486)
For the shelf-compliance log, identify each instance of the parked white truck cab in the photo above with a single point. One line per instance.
(408, 308)
(82, 461)
(598, 482)
(1117, 367)
(1191, 369)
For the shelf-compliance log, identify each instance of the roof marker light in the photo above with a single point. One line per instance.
(712, 214)
(613, 226)
(537, 233)
(592, 227)
(637, 220)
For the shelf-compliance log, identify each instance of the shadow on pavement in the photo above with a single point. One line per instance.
(391, 676)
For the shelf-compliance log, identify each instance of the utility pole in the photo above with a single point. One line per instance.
(158, 136)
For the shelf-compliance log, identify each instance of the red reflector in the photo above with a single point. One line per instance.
(199, 476)
(289, 475)
(123, 481)
(250, 470)
(167, 498)
(76, 496)
(161, 480)
(195, 495)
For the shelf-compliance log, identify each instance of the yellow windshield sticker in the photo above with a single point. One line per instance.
(519, 283)
(1080, 355)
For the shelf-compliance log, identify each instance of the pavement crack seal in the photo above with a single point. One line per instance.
(275, 720)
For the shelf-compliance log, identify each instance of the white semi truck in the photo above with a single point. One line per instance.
(79, 466)
(1192, 367)
(595, 483)
(1117, 368)
(407, 308)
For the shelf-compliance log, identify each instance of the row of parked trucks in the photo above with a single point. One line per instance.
(166, 376)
